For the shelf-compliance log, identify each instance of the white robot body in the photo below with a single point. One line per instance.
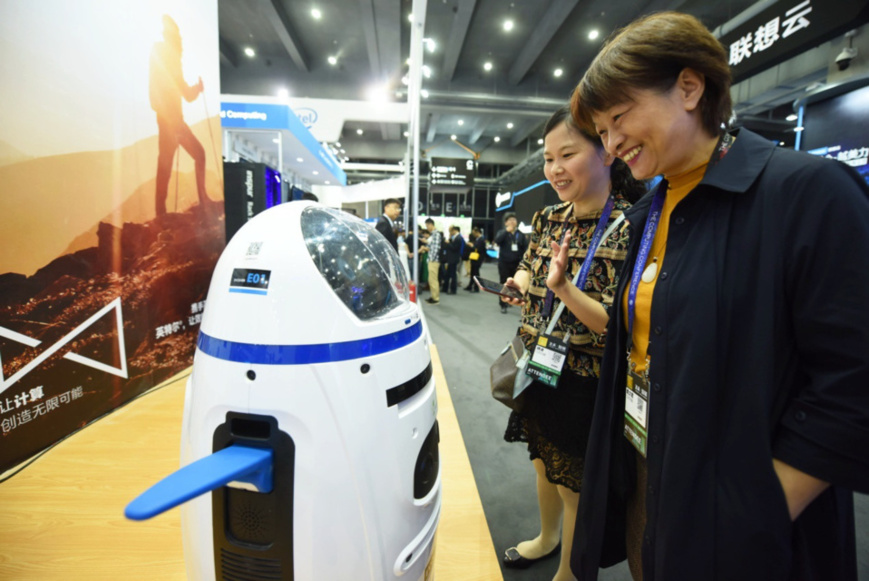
(309, 337)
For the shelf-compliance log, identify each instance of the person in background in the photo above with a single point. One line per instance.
(386, 223)
(453, 257)
(554, 422)
(511, 247)
(733, 411)
(433, 249)
(477, 256)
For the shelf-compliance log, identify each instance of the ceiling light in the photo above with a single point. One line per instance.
(426, 71)
(405, 80)
(424, 93)
(453, 137)
(540, 141)
(798, 129)
(792, 117)
(593, 34)
(558, 72)
(249, 52)
(283, 93)
(461, 121)
(378, 94)
(410, 17)
(509, 126)
(342, 151)
(487, 66)
(333, 60)
(407, 133)
(359, 132)
(338, 143)
(328, 182)
(508, 25)
(346, 158)
(316, 13)
(781, 142)
(299, 159)
(430, 44)
(315, 172)
(497, 139)
(276, 140)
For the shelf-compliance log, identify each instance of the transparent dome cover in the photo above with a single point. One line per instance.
(357, 262)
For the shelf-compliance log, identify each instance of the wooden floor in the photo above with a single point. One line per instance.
(62, 517)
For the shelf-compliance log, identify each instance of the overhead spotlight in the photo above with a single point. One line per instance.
(283, 93)
(461, 122)
(346, 158)
(359, 132)
(410, 17)
(407, 133)
(781, 142)
(509, 126)
(405, 80)
(424, 93)
(338, 143)
(430, 44)
(300, 160)
(497, 139)
(558, 72)
(508, 25)
(426, 71)
(540, 141)
(327, 182)
(378, 94)
(333, 60)
(798, 129)
(315, 172)
(792, 117)
(316, 13)
(276, 140)
(453, 137)
(593, 34)
(487, 66)
(343, 151)
(249, 52)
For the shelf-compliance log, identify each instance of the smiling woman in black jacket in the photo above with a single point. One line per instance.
(732, 414)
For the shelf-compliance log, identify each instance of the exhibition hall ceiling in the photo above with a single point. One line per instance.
(495, 69)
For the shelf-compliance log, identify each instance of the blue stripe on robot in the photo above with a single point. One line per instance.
(307, 354)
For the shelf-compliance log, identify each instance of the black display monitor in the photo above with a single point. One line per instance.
(838, 128)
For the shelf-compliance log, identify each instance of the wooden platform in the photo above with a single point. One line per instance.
(62, 517)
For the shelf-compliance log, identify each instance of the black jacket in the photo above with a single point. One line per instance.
(454, 249)
(505, 241)
(384, 227)
(759, 349)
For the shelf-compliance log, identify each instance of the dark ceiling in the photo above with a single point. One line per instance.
(370, 39)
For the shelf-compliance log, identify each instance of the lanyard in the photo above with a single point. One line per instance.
(643, 253)
(724, 144)
(592, 250)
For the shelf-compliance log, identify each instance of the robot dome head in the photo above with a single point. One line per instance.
(360, 266)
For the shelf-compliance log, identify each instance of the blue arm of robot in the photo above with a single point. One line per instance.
(235, 463)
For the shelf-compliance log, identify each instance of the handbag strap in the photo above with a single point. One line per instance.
(557, 314)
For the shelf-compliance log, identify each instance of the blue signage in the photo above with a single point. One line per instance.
(280, 118)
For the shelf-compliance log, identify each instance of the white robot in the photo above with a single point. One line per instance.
(310, 414)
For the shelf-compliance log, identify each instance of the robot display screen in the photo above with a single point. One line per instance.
(357, 262)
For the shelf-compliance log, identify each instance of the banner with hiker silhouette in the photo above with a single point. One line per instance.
(111, 206)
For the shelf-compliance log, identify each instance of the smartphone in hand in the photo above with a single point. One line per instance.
(499, 289)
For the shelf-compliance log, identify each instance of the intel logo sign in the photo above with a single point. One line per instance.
(307, 116)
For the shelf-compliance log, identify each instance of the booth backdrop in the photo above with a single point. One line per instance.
(101, 297)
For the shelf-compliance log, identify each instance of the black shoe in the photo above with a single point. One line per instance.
(513, 560)
(504, 309)
(431, 301)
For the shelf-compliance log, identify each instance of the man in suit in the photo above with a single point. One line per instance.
(386, 223)
(453, 256)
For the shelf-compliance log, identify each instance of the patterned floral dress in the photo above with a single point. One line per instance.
(555, 422)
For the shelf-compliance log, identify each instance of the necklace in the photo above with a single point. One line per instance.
(651, 271)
